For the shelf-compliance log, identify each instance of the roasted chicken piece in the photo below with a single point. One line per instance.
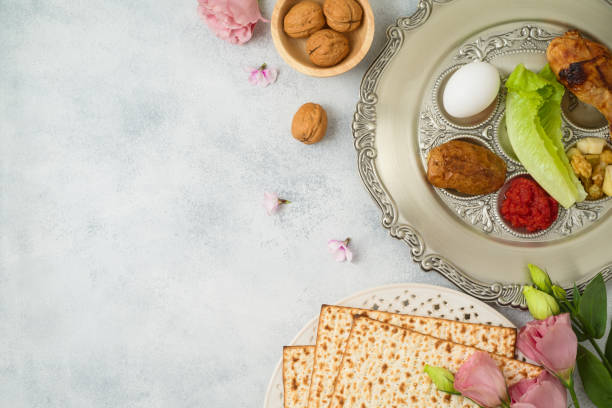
(585, 68)
(465, 167)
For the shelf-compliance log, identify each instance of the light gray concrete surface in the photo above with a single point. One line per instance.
(137, 265)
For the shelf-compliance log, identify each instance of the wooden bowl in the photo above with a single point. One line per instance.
(293, 50)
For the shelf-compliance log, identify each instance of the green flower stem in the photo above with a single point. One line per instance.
(598, 350)
(573, 394)
(601, 355)
(570, 386)
(578, 324)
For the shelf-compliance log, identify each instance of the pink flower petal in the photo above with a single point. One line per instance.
(231, 20)
(255, 77)
(334, 245)
(348, 254)
(550, 342)
(340, 250)
(341, 254)
(480, 379)
(520, 388)
(271, 203)
(269, 76)
(558, 347)
(544, 391)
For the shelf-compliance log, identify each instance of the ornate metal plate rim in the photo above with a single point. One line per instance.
(364, 134)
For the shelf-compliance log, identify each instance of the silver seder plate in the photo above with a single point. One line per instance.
(400, 118)
(505, 47)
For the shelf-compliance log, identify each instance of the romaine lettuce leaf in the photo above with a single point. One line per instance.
(533, 120)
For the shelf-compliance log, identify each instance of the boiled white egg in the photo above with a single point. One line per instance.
(471, 89)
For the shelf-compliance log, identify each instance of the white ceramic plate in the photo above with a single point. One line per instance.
(408, 298)
(460, 238)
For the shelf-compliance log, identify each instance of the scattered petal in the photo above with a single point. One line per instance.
(349, 254)
(340, 250)
(272, 202)
(269, 76)
(262, 76)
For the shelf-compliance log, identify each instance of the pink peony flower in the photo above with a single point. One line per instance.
(340, 249)
(543, 392)
(551, 343)
(231, 20)
(480, 380)
(272, 202)
(263, 75)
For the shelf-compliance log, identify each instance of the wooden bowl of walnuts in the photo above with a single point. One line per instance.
(322, 38)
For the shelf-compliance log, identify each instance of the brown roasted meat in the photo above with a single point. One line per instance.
(465, 167)
(585, 68)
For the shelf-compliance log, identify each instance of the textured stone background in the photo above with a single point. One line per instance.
(137, 265)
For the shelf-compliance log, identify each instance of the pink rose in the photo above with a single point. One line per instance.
(543, 392)
(231, 20)
(551, 343)
(480, 380)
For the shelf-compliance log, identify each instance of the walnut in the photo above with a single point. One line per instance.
(595, 192)
(599, 173)
(303, 19)
(327, 47)
(342, 15)
(309, 123)
(581, 166)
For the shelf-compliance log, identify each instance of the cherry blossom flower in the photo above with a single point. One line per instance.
(262, 76)
(340, 250)
(272, 202)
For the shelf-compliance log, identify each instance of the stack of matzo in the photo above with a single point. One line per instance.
(311, 373)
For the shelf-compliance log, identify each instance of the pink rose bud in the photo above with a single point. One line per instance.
(480, 379)
(543, 392)
(551, 343)
(231, 20)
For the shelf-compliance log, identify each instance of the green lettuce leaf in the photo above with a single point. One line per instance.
(533, 120)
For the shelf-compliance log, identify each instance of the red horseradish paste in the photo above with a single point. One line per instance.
(527, 205)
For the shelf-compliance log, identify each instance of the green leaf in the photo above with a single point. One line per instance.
(609, 347)
(593, 310)
(595, 378)
(443, 379)
(576, 294)
(579, 334)
(541, 305)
